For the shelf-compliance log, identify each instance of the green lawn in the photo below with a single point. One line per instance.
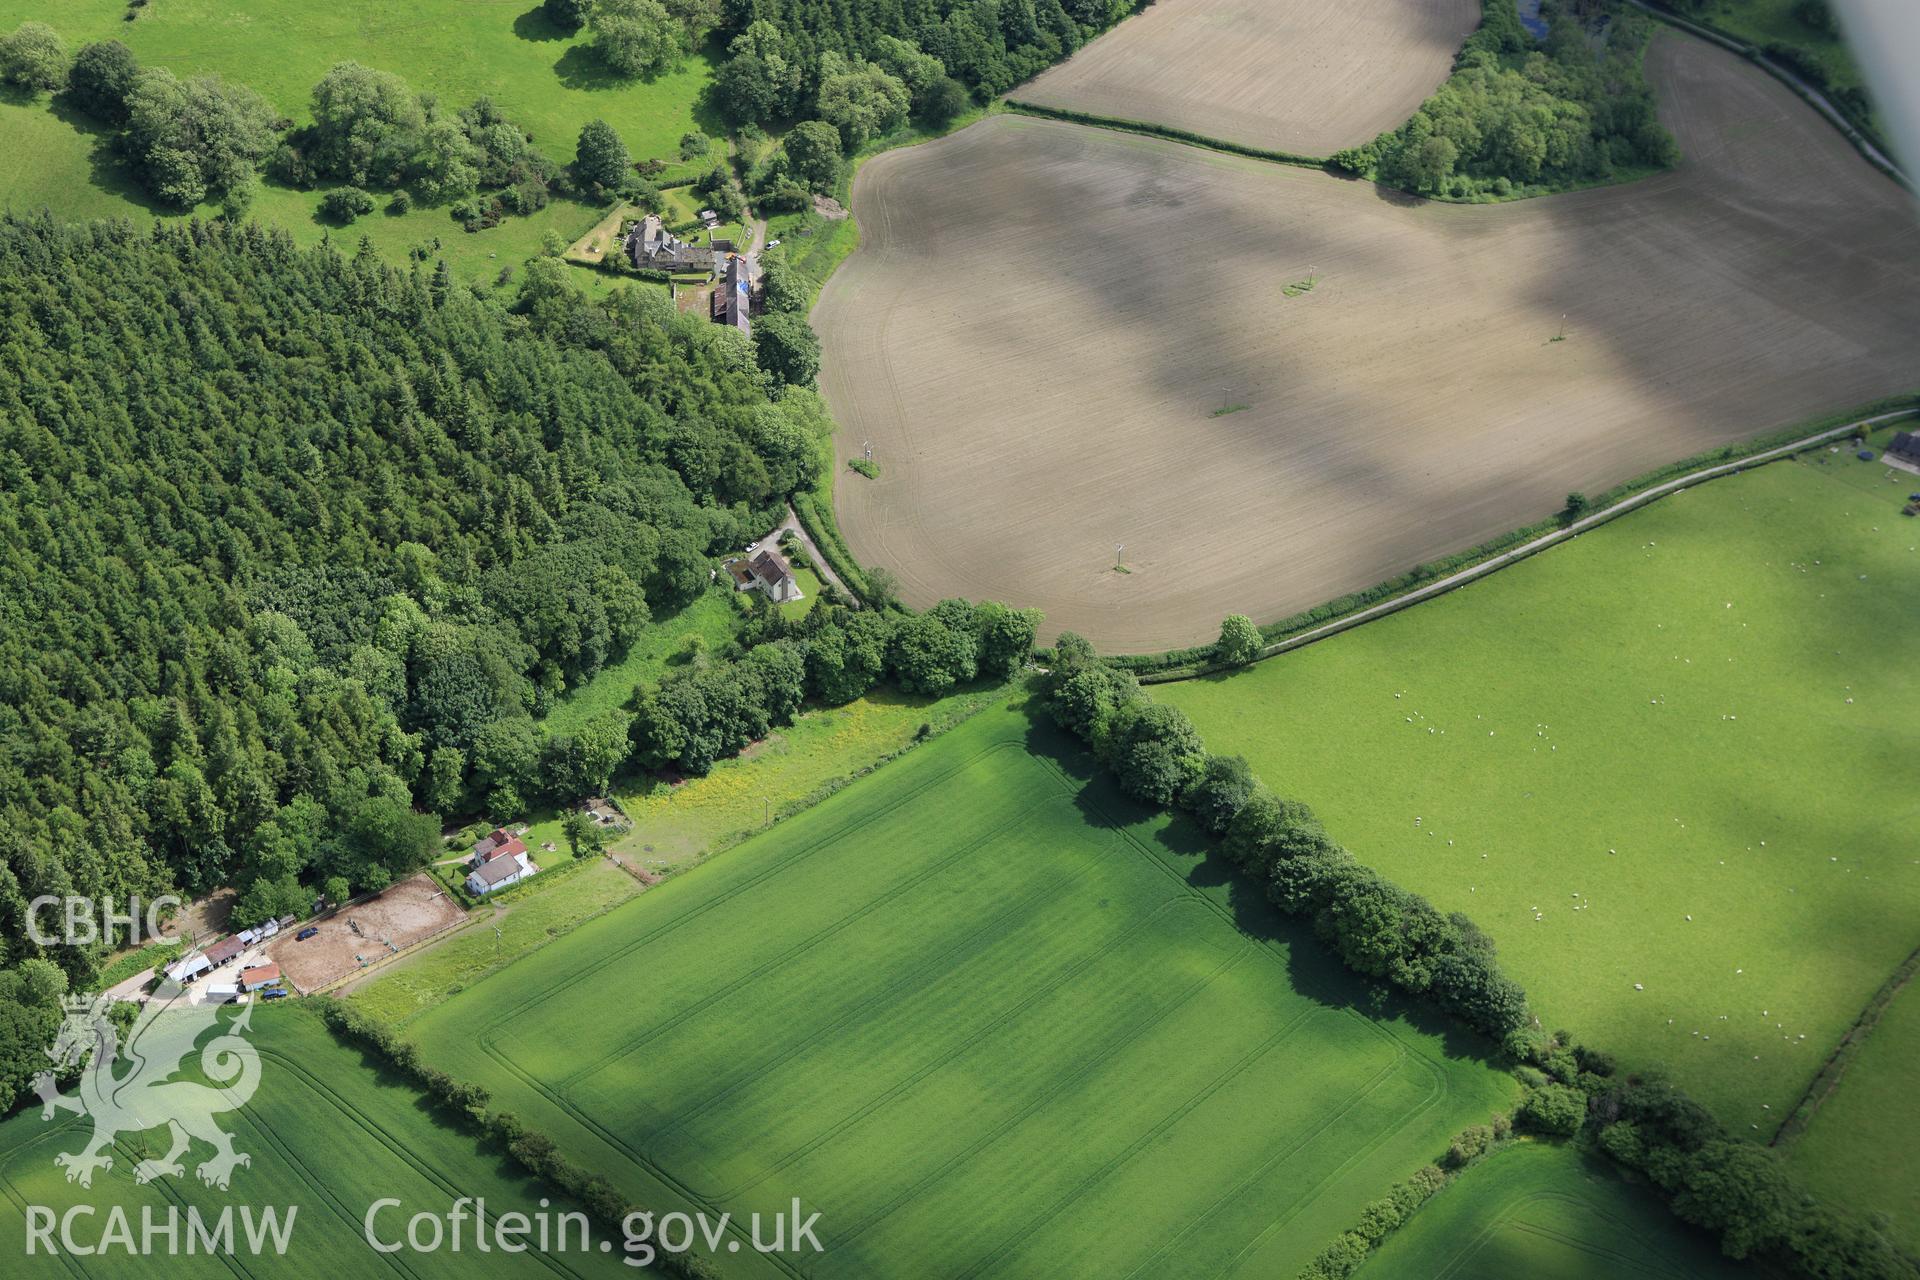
(1859, 1148)
(327, 1133)
(1673, 754)
(1546, 1213)
(985, 1018)
(457, 49)
(714, 616)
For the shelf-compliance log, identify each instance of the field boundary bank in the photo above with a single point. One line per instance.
(1167, 133)
(1871, 148)
(1510, 548)
(1833, 1071)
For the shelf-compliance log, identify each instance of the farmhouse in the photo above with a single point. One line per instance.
(733, 296)
(768, 571)
(503, 869)
(1904, 452)
(511, 847)
(651, 247)
(259, 976)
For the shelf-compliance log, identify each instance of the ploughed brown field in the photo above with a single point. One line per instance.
(1307, 77)
(1043, 319)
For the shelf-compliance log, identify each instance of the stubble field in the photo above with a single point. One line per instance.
(1043, 320)
(985, 1019)
(1663, 766)
(1299, 76)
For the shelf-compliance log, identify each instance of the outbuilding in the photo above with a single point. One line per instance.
(189, 969)
(264, 975)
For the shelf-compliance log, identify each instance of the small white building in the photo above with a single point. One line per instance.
(769, 572)
(499, 872)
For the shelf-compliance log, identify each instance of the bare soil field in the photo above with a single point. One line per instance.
(1081, 301)
(1300, 76)
(414, 909)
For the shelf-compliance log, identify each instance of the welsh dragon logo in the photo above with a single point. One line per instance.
(129, 1089)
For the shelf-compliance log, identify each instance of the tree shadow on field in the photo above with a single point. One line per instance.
(487, 1150)
(536, 26)
(1183, 847)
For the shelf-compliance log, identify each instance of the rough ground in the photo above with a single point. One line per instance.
(1043, 317)
(1301, 76)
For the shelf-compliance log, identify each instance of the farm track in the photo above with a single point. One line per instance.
(1030, 412)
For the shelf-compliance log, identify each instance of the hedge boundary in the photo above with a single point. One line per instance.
(470, 1107)
(1167, 133)
(1863, 139)
(1827, 1079)
(1427, 581)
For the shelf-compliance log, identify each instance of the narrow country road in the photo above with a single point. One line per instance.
(1545, 540)
(1815, 96)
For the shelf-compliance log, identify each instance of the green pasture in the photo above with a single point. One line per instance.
(328, 1134)
(1546, 1213)
(548, 83)
(1667, 766)
(1859, 1148)
(985, 1017)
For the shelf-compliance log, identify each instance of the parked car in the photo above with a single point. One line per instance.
(273, 993)
(305, 933)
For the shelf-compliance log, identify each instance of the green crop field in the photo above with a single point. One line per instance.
(1859, 1147)
(985, 1018)
(1666, 766)
(328, 1135)
(1546, 1213)
(546, 82)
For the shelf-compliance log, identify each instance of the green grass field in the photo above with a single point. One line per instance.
(547, 83)
(985, 1018)
(1546, 1213)
(327, 1133)
(1859, 1147)
(715, 616)
(1671, 753)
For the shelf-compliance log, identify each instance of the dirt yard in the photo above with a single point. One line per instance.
(407, 912)
(1301, 76)
(1042, 319)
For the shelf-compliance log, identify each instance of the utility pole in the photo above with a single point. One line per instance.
(1117, 549)
(768, 802)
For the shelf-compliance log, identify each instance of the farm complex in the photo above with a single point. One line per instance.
(970, 640)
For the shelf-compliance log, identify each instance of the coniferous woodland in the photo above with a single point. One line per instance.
(291, 539)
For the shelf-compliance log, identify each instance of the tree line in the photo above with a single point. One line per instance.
(1523, 117)
(286, 537)
(206, 138)
(1737, 1189)
(470, 1106)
